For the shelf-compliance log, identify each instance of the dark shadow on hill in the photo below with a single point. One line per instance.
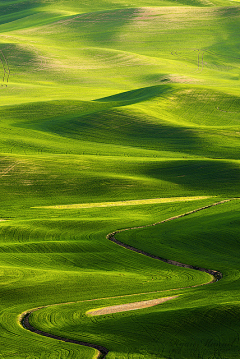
(97, 27)
(117, 126)
(203, 176)
(67, 110)
(188, 325)
(105, 27)
(137, 95)
(18, 58)
(19, 10)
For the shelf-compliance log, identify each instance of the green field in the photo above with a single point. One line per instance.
(115, 115)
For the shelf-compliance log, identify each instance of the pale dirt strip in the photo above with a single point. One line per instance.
(129, 306)
(102, 351)
(126, 203)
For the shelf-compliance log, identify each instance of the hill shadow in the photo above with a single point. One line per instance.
(137, 95)
(217, 177)
(108, 123)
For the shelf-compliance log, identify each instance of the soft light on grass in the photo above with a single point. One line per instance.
(126, 203)
(119, 115)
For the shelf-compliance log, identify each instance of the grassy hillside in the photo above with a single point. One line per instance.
(108, 108)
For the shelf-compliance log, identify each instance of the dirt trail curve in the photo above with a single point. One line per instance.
(25, 323)
(216, 274)
(24, 317)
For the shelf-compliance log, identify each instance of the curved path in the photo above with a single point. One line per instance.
(24, 318)
(25, 323)
(216, 274)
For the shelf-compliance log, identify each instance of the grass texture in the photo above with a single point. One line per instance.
(113, 115)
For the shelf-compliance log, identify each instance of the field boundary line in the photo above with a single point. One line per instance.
(216, 274)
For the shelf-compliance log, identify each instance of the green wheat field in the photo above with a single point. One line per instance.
(118, 114)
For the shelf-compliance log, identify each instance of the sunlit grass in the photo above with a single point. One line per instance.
(118, 115)
(127, 203)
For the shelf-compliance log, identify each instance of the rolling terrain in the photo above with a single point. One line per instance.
(119, 117)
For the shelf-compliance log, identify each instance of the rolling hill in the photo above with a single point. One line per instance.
(119, 117)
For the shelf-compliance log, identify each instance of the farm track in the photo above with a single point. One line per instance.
(217, 275)
(25, 323)
(24, 317)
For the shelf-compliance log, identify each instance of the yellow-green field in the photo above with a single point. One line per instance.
(128, 203)
(119, 118)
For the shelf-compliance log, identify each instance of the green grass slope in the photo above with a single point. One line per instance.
(108, 101)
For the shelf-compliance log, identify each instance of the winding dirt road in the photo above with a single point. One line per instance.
(24, 317)
(216, 274)
(25, 323)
